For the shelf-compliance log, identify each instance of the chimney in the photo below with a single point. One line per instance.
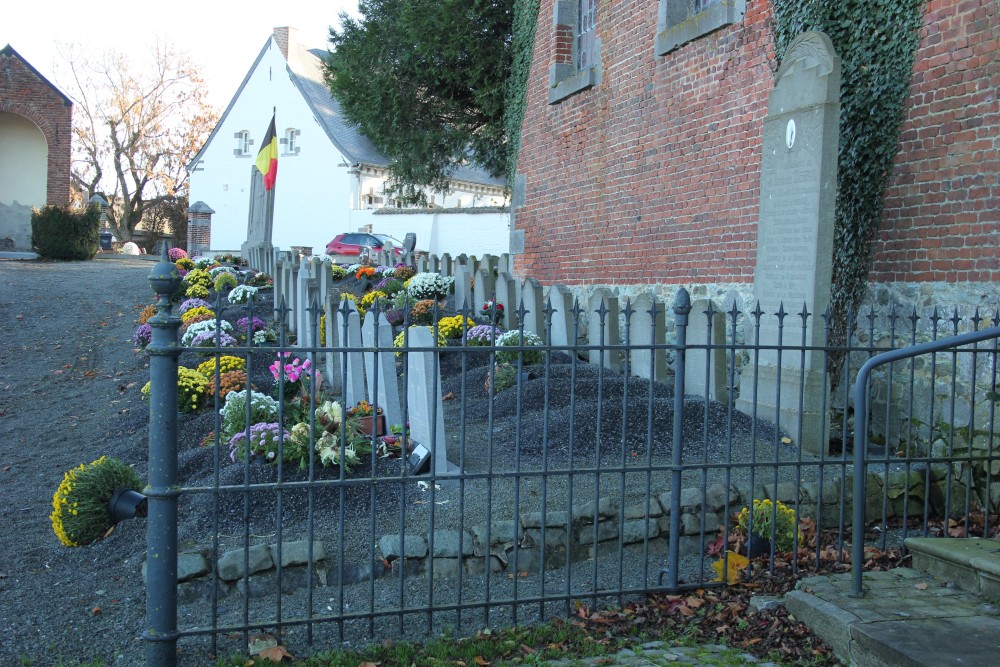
(285, 37)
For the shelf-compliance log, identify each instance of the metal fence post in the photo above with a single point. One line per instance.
(161, 487)
(682, 307)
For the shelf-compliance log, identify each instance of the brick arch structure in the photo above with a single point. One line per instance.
(25, 92)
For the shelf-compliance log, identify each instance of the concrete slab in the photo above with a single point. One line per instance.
(968, 640)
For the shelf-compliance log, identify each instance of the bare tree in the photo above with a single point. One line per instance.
(135, 127)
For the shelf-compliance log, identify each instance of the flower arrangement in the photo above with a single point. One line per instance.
(403, 337)
(427, 286)
(264, 337)
(254, 326)
(184, 264)
(217, 271)
(242, 294)
(142, 336)
(229, 382)
(189, 315)
(338, 272)
(193, 303)
(203, 317)
(389, 286)
(483, 334)
(230, 258)
(329, 416)
(223, 364)
(209, 339)
(80, 513)
(454, 327)
(424, 311)
(204, 263)
(147, 313)
(225, 281)
(328, 449)
(515, 338)
(199, 328)
(192, 389)
(403, 273)
(262, 280)
(294, 372)
(196, 291)
(363, 409)
(265, 439)
(176, 253)
(368, 300)
(198, 278)
(769, 519)
(263, 409)
(492, 310)
(365, 272)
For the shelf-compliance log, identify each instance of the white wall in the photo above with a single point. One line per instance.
(24, 158)
(311, 186)
(447, 232)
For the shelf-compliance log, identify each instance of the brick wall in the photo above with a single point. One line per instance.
(25, 92)
(652, 176)
(942, 218)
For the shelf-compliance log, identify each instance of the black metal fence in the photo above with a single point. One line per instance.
(591, 471)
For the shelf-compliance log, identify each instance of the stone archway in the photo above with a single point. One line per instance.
(24, 172)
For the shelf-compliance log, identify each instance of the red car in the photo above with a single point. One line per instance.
(347, 247)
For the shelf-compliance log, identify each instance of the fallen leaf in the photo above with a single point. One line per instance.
(5, 468)
(527, 649)
(921, 587)
(481, 661)
(369, 664)
(450, 396)
(786, 440)
(276, 654)
(90, 374)
(95, 611)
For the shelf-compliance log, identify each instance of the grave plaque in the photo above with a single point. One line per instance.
(798, 190)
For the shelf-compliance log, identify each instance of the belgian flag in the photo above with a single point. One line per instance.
(267, 158)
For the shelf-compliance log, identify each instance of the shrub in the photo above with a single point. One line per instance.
(192, 389)
(198, 278)
(261, 280)
(80, 505)
(766, 517)
(193, 303)
(142, 336)
(427, 286)
(339, 272)
(192, 313)
(483, 334)
(226, 363)
(454, 326)
(184, 264)
(59, 233)
(176, 253)
(263, 409)
(389, 286)
(513, 339)
(225, 281)
(147, 313)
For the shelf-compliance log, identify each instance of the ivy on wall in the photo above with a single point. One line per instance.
(522, 46)
(876, 41)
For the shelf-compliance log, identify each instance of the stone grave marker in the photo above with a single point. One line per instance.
(463, 295)
(603, 331)
(564, 326)
(798, 189)
(644, 331)
(333, 373)
(380, 367)
(507, 293)
(447, 266)
(534, 306)
(483, 288)
(426, 409)
(354, 379)
(705, 371)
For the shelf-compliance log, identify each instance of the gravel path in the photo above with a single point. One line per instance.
(70, 385)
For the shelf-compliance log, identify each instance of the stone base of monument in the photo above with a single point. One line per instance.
(808, 427)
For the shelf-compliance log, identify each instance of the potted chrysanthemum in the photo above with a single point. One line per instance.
(94, 497)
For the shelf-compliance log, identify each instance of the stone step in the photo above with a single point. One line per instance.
(972, 564)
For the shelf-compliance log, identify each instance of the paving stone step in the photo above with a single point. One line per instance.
(972, 564)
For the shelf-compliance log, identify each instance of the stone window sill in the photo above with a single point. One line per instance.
(573, 84)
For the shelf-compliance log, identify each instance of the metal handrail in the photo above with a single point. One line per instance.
(861, 429)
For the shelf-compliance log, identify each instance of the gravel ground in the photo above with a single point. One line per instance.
(71, 382)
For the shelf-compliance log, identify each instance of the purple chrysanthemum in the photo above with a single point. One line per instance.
(258, 325)
(193, 303)
(143, 335)
(207, 339)
(482, 334)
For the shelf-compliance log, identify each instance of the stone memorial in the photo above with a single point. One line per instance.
(333, 371)
(647, 327)
(565, 328)
(463, 295)
(354, 377)
(380, 367)
(798, 191)
(506, 288)
(704, 368)
(534, 308)
(602, 329)
(426, 407)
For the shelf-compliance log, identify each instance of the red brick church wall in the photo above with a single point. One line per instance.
(25, 92)
(652, 176)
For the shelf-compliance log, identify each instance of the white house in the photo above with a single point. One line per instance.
(330, 177)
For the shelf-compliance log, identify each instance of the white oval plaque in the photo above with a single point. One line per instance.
(790, 133)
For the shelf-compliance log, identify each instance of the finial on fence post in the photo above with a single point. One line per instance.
(161, 525)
